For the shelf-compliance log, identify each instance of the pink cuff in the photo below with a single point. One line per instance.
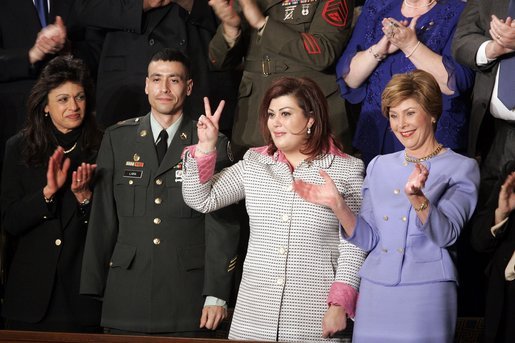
(343, 295)
(206, 164)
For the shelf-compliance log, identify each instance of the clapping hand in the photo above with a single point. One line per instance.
(503, 34)
(252, 13)
(417, 180)
(231, 21)
(81, 180)
(56, 173)
(50, 40)
(399, 33)
(506, 199)
(207, 127)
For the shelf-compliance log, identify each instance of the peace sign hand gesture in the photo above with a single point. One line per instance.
(207, 128)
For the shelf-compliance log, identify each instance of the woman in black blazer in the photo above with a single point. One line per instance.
(46, 189)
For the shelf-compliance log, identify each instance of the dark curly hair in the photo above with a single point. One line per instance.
(39, 140)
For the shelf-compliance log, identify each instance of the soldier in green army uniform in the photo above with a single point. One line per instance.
(277, 38)
(159, 266)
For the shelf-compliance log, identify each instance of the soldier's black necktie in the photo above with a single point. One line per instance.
(161, 145)
(506, 82)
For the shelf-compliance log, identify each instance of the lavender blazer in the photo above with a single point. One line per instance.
(402, 249)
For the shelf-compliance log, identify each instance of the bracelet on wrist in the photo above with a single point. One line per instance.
(48, 200)
(422, 206)
(413, 50)
(377, 56)
(205, 152)
(84, 202)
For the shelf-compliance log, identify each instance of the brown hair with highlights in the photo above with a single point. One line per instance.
(312, 101)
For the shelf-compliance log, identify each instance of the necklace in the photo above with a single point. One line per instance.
(71, 149)
(425, 158)
(421, 6)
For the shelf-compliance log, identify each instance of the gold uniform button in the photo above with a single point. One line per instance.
(158, 201)
(385, 218)
(156, 241)
(159, 182)
(404, 218)
(58, 242)
(157, 221)
(143, 133)
(396, 191)
(131, 182)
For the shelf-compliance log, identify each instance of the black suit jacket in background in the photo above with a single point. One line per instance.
(501, 248)
(132, 37)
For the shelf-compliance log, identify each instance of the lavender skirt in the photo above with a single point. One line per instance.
(407, 313)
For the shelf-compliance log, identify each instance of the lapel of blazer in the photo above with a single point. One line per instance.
(201, 15)
(154, 17)
(183, 138)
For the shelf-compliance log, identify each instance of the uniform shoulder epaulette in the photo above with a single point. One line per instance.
(127, 122)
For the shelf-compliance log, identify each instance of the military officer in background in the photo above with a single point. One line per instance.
(160, 267)
(277, 38)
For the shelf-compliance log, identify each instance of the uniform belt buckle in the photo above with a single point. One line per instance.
(265, 66)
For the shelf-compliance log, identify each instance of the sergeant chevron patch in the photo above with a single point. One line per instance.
(336, 12)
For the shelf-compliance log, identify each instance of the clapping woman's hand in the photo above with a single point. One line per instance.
(81, 181)
(417, 180)
(399, 33)
(207, 127)
(56, 173)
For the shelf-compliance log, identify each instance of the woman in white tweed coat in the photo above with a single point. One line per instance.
(300, 278)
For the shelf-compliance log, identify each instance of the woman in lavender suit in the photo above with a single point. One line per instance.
(415, 203)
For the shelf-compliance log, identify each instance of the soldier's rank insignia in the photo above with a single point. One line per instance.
(336, 12)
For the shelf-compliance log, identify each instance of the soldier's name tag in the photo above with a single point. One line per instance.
(178, 175)
(133, 173)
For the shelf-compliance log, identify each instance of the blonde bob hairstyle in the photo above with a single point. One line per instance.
(418, 85)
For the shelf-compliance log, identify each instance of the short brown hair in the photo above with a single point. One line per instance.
(418, 85)
(313, 103)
